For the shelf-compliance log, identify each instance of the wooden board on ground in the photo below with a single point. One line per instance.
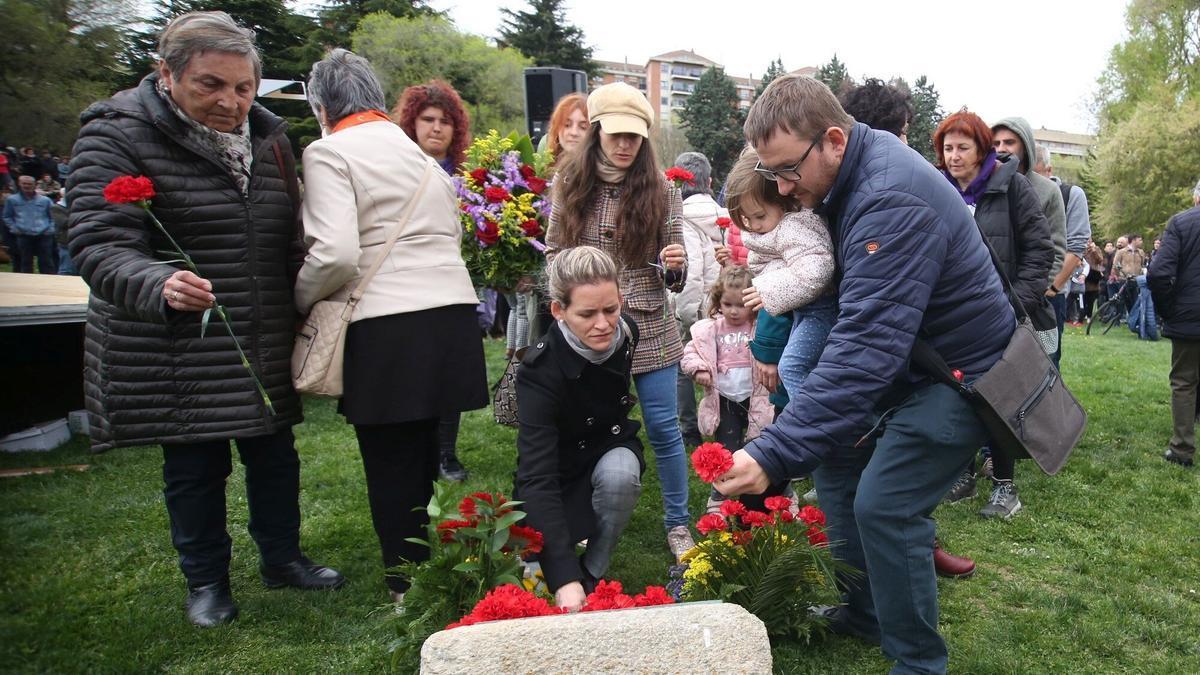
(32, 299)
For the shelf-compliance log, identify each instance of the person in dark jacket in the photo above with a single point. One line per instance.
(579, 461)
(1174, 280)
(217, 161)
(1008, 213)
(885, 442)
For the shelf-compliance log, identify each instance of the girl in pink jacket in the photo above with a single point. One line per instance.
(734, 409)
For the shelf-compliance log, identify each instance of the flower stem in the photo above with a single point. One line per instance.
(187, 259)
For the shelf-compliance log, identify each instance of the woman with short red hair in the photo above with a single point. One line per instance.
(1010, 216)
(432, 114)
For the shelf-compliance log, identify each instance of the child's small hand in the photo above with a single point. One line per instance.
(703, 378)
(751, 300)
(722, 255)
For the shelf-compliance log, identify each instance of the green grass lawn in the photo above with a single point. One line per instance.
(1097, 574)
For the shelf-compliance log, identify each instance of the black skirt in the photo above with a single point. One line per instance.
(413, 366)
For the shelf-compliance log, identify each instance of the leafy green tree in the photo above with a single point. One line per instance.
(927, 115)
(544, 35)
(834, 75)
(60, 56)
(713, 122)
(338, 19)
(1147, 167)
(1160, 57)
(774, 70)
(411, 51)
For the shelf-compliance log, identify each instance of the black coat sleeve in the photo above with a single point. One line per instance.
(1163, 270)
(540, 394)
(1034, 249)
(110, 243)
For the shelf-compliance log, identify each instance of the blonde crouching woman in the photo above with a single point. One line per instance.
(579, 461)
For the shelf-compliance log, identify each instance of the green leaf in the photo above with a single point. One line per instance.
(525, 147)
(467, 566)
(510, 518)
(204, 321)
(508, 579)
(499, 539)
(417, 540)
(434, 509)
(166, 262)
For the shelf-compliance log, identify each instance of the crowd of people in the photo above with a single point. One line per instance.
(777, 297)
(35, 211)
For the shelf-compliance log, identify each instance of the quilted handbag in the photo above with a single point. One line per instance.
(317, 356)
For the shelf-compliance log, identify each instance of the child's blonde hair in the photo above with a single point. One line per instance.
(732, 278)
(744, 183)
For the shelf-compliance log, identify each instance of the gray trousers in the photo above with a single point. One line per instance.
(1185, 376)
(616, 486)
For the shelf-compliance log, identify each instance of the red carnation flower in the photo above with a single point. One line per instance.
(742, 537)
(485, 497)
(532, 228)
(506, 602)
(816, 536)
(488, 234)
(447, 528)
(711, 460)
(129, 190)
(466, 508)
(713, 522)
(724, 223)
(654, 595)
(777, 503)
(732, 507)
(528, 539)
(480, 175)
(496, 194)
(536, 185)
(812, 515)
(607, 595)
(756, 519)
(786, 516)
(680, 175)
(527, 172)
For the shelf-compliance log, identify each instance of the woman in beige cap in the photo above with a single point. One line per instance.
(609, 193)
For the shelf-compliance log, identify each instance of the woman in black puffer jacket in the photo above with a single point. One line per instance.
(220, 167)
(1008, 213)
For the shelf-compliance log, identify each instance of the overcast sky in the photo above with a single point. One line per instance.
(1035, 58)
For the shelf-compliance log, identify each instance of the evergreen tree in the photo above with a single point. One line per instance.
(773, 71)
(834, 75)
(713, 122)
(544, 35)
(927, 115)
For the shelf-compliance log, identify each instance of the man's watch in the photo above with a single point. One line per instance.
(1057, 291)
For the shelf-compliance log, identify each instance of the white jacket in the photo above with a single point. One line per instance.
(700, 237)
(357, 182)
(793, 263)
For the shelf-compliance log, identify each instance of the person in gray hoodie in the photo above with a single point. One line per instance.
(1014, 135)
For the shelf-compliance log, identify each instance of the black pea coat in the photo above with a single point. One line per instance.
(570, 413)
(1174, 276)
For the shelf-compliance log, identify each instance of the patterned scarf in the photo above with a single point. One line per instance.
(233, 148)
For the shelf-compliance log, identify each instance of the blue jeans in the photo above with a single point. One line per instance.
(39, 246)
(616, 486)
(656, 391)
(878, 503)
(66, 266)
(810, 329)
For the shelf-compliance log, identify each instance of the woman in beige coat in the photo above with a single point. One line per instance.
(412, 350)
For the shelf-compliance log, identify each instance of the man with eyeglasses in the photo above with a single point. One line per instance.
(882, 441)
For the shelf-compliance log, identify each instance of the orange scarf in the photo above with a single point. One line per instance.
(360, 118)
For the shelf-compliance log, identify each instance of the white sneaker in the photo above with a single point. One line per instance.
(679, 540)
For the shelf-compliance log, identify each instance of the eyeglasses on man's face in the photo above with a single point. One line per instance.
(791, 173)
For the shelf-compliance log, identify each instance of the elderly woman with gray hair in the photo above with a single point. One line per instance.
(221, 168)
(412, 351)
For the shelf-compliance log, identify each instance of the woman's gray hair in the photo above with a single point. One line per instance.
(343, 83)
(701, 171)
(196, 32)
(578, 266)
(1196, 191)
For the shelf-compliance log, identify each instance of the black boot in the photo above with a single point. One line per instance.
(450, 468)
(301, 573)
(211, 604)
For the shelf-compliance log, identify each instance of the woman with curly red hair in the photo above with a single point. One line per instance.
(568, 125)
(433, 115)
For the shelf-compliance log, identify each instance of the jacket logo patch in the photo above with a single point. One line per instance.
(872, 247)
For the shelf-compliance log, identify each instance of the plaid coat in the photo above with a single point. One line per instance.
(642, 286)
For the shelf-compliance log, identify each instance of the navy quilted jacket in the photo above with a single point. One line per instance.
(910, 261)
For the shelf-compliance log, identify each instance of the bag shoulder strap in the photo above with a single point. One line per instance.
(361, 288)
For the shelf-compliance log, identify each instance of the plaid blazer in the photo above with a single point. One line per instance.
(643, 287)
